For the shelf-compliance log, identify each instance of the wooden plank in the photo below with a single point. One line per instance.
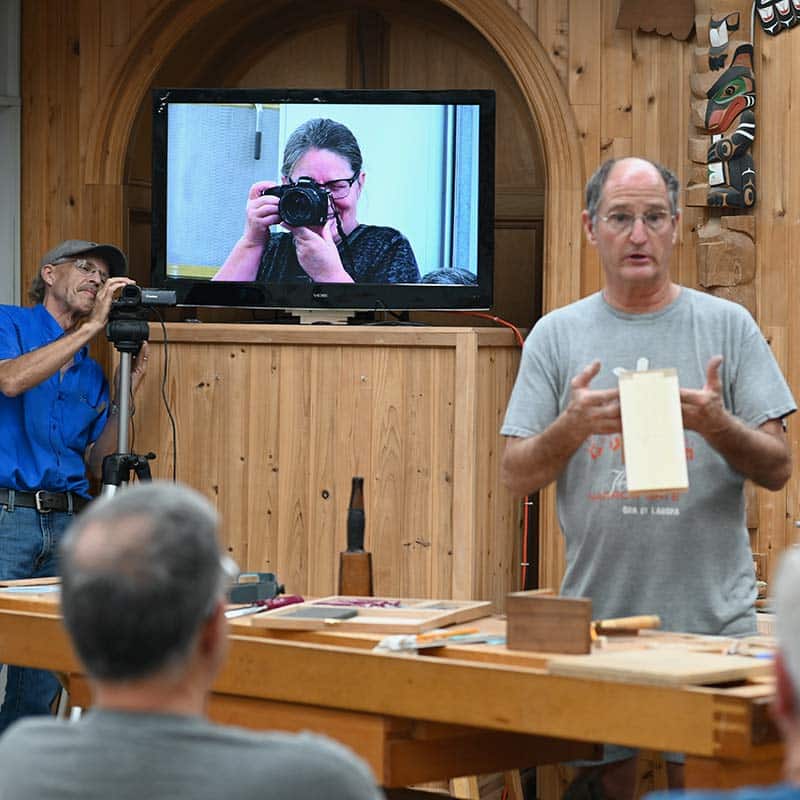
(652, 427)
(440, 533)
(585, 21)
(662, 666)
(588, 119)
(616, 98)
(497, 511)
(776, 529)
(388, 445)
(421, 393)
(465, 433)
(295, 542)
(552, 30)
(411, 616)
(328, 483)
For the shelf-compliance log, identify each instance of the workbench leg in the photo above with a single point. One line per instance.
(513, 781)
(465, 788)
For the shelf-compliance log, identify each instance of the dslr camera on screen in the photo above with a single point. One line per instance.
(303, 203)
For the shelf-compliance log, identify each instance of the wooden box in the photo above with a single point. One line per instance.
(539, 620)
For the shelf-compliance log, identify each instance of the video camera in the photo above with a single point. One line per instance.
(133, 296)
(302, 204)
(127, 324)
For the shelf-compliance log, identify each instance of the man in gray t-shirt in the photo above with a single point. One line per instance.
(685, 557)
(143, 593)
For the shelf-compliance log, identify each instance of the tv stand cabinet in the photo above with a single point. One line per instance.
(273, 421)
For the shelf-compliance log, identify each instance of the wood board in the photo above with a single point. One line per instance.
(652, 431)
(407, 616)
(668, 665)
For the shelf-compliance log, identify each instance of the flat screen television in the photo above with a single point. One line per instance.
(422, 198)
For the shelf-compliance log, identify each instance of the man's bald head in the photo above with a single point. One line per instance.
(596, 184)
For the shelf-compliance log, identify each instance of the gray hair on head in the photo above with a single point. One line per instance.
(786, 600)
(321, 134)
(596, 184)
(141, 572)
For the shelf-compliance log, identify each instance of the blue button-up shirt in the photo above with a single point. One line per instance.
(45, 431)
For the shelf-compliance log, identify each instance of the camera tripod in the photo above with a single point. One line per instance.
(126, 329)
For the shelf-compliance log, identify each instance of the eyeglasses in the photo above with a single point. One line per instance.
(339, 189)
(86, 267)
(623, 221)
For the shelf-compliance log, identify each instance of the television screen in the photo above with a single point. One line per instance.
(326, 199)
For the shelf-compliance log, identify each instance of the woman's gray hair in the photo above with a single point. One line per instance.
(136, 593)
(321, 134)
(596, 184)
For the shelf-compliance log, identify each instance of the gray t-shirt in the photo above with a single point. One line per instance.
(110, 755)
(685, 556)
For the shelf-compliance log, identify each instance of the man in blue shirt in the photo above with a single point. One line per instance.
(786, 706)
(56, 418)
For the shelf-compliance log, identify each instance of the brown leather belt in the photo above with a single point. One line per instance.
(44, 501)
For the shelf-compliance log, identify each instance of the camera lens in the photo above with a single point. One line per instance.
(296, 207)
(302, 206)
(130, 295)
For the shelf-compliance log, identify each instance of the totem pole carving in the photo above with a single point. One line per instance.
(722, 177)
(718, 33)
(730, 121)
(726, 85)
(778, 15)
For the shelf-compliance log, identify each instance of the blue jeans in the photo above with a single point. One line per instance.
(618, 752)
(28, 545)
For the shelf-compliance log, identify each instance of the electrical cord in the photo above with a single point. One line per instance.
(165, 399)
(527, 501)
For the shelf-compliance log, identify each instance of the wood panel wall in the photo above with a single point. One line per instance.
(274, 421)
(591, 91)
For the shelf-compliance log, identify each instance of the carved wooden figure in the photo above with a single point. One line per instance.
(718, 36)
(730, 121)
(776, 16)
(673, 18)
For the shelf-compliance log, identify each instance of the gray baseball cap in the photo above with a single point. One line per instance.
(72, 248)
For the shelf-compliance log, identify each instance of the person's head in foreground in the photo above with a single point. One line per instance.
(786, 709)
(143, 592)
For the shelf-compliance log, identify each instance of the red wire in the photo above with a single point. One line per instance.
(498, 320)
(526, 500)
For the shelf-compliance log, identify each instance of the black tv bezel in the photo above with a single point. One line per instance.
(328, 296)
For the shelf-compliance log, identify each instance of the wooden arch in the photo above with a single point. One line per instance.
(502, 28)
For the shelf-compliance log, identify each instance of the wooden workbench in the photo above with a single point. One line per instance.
(465, 710)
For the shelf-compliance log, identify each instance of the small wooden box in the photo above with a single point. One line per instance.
(539, 620)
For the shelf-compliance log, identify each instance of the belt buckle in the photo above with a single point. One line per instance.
(38, 497)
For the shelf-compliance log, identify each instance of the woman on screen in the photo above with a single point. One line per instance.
(317, 205)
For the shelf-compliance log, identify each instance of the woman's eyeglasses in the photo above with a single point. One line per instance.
(339, 189)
